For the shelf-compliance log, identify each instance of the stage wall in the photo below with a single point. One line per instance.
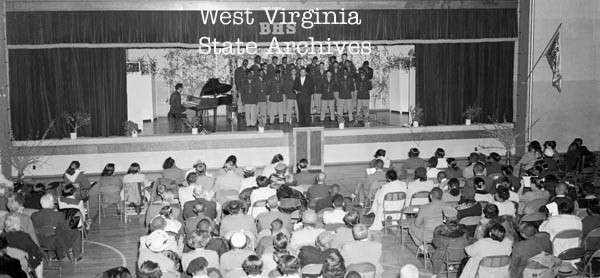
(341, 147)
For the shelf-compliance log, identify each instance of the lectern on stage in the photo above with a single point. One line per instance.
(308, 143)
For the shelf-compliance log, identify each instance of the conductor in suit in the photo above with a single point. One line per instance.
(304, 88)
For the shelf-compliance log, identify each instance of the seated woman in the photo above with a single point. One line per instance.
(492, 217)
(533, 154)
(494, 244)
(172, 172)
(253, 267)
(303, 177)
(318, 253)
(439, 154)
(289, 267)
(333, 265)
(197, 242)
(110, 187)
(468, 207)
(19, 239)
(135, 184)
(270, 257)
(75, 176)
(381, 154)
(230, 162)
(68, 200)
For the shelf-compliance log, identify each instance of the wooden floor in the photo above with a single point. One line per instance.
(113, 243)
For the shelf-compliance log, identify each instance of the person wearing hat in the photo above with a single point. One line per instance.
(237, 220)
(429, 217)
(204, 179)
(160, 223)
(309, 232)
(420, 183)
(249, 179)
(234, 258)
(450, 233)
(197, 268)
(156, 250)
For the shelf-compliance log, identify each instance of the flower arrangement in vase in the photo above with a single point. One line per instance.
(76, 120)
(262, 121)
(471, 113)
(416, 114)
(131, 128)
(341, 121)
(194, 123)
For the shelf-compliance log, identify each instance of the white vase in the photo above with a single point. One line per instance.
(341, 125)
(73, 135)
(467, 121)
(415, 124)
(134, 134)
(261, 129)
(194, 130)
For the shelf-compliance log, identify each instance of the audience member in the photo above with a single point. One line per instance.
(172, 172)
(150, 269)
(156, 244)
(190, 224)
(237, 220)
(318, 191)
(230, 179)
(555, 224)
(333, 266)
(592, 220)
(74, 175)
(393, 185)
(262, 193)
(366, 187)
(234, 258)
(344, 234)
(327, 202)
(253, 267)
(64, 238)
(249, 179)
(453, 170)
(9, 266)
(432, 168)
(493, 165)
(32, 200)
(15, 207)
(414, 161)
(17, 238)
(468, 207)
(230, 165)
(429, 217)
(303, 176)
(452, 193)
(317, 252)
(481, 194)
(501, 200)
(263, 220)
(448, 234)
(479, 174)
(533, 154)
(532, 244)
(420, 183)
(110, 186)
(493, 244)
(440, 154)
(309, 232)
(270, 256)
(335, 216)
(210, 207)
(197, 242)
(381, 154)
(198, 268)
(362, 249)
(560, 196)
(289, 267)
(467, 172)
(216, 243)
(270, 169)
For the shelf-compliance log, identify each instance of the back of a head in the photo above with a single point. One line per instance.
(47, 201)
(198, 240)
(502, 193)
(507, 170)
(478, 168)
(440, 153)
(288, 265)
(39, 187)
(441, 175)
(491, 211)
(273, 202)
(414, 152)
(157, 223)
(496, 232)
(527, 230)
(280, 242)
(353, 274)
(15, 202)
(335, 189)
(378, 164)
(473, 157)
(391, 175)
(252, 265)
(433, 162)
(421, 174)
(351, 218)
(360, 232)
(69, 190)
(192, 177)
(379, 153)
(324, 240)
(565, 208)
(204, 226)
(409, 271)
(150, 269)
(262, 181)
(169, 163)
(495, 157)
(436, 194)
(561, 188)
(277, 158)
(338, 201)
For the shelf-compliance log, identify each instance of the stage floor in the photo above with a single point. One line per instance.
(160, 126)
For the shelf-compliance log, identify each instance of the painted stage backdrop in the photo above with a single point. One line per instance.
(193, 69)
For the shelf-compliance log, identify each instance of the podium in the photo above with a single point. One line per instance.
(308, 142)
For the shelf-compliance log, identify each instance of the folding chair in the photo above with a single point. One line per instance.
(419, 198)
(132, 194)
(572, 254)
(533, 206)
(535, 218)
(393, 203)
(588, 267)
(496, 264)
(373, 187)
(591, 243)
(424, 250)
(334, 226)
(312, 270)
(258, 207)
(366, 270)
(566, 236)
(452, 251)
(471, 223)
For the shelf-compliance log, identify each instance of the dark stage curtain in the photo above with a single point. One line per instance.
(46, 82)
(450, 77)
(188, 27)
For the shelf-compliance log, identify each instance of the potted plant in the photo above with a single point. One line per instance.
(262, 121)
(416, 114)
(194, 123)
(76, 120)
(131, 128)
(471, 113)
(365, 117)
(341, 120)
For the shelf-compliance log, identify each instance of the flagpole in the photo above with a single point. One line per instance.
(544, 51)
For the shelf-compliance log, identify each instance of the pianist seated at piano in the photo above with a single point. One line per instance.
(212, 95)
(177, 110)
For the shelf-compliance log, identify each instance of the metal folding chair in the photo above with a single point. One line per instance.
(498, 263)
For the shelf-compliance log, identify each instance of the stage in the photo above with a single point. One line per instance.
(339, 146)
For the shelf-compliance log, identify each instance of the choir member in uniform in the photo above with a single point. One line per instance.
(239, 77)
(257, 64)
(261, 90)
(368, 70)
(271, 68)
(291, 105)
(275, 96)
(363, 87)
(347, 87)
(250, 99)
(326, 87)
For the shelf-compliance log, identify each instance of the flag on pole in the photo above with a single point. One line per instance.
(553, 56)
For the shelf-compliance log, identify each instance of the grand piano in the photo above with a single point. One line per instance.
(212, 95)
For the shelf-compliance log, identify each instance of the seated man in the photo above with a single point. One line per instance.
(362, 249)
(327, 202)
(237, 220)
(265, 219)
(523, 250)
(561, 191)
(155, 248)
(230, 180)
(167, 199)
(363, 189)
(316, 254)
(216, 243)
(309, 232)
(190, 224)
(448, 234)
(478, 172)
(429, 217)
(210, 207)
(234, 258)
(336, 216)
(558, 223)
(65, 238)
(592, 220)
(393, 185)
(420, 183)
(174, 242)
(318, 191)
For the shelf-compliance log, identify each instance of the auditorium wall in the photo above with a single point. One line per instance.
(574, 112)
